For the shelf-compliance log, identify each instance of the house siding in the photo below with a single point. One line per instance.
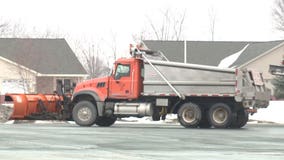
(74, 80)
(262, 64)
(47, 85)
(10, 71)
(44, 85)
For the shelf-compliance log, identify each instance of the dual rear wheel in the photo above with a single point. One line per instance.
(189, 115)
(219, 115)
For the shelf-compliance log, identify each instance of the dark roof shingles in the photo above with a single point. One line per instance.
(46, 56)
(254, 50)
(211, 52)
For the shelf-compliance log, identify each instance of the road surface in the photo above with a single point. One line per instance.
(139, 142)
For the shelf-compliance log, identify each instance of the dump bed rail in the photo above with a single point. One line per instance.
(165, 78)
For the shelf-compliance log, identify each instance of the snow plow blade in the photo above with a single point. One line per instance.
(34, 106)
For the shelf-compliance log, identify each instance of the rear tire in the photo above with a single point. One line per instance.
(220, 115)
(241, 119)
(105, 121)
(84, 113)
(189, 115)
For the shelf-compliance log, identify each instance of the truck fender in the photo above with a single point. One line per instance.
(99, 103)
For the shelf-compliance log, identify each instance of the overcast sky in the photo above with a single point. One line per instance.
(236, 20)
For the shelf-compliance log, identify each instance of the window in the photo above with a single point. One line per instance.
(16, 86)
(67, 85)
(122, 70)
(142, 70)
(63, 85)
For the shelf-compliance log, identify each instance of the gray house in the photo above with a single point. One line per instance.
(36, 65)
(254, 55)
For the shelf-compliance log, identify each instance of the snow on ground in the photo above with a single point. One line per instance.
(171, 118)
(273, 113)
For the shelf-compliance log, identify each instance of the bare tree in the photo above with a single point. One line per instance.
(112, 45)
(50, 34)
(212, 20)
(12, 30)
(93, 59)
(170, 28)
(278, 14)
(19, 30)
(143, 34)
(3, 28)
(26, 79)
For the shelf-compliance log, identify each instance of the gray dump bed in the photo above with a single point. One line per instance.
(188, 79)
(164, 78)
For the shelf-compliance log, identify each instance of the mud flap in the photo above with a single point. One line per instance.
(6, 112)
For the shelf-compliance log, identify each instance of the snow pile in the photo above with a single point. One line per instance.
(6, 112)
(171, 118)
(50, 122)
(228, 61)
(37, 122)
(273, 113)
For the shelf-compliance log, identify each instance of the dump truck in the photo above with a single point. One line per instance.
(201, 96)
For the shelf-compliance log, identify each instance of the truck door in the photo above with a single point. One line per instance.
(121, 82)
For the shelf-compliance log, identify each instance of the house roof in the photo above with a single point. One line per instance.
(45, 56)
(210, 52)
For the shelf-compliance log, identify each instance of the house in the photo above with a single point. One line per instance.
(37, 65)
(253, 55)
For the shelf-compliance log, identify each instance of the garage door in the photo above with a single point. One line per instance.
(13, 86)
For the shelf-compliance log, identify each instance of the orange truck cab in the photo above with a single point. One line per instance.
(102, 97)
(125, 82)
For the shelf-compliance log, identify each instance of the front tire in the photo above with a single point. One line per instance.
(105, 121)
(189, 115)
(85, 113)
(220, 115)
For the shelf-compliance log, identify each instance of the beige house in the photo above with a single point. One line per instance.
(274, 56)
(37, 65)
(252, 55)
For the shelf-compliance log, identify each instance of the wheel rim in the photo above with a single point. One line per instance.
(220, 115)
(189, 115)
(84, 113)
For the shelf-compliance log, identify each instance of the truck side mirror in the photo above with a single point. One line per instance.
(117, 76)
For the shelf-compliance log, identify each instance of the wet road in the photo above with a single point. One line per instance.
(139, 141)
